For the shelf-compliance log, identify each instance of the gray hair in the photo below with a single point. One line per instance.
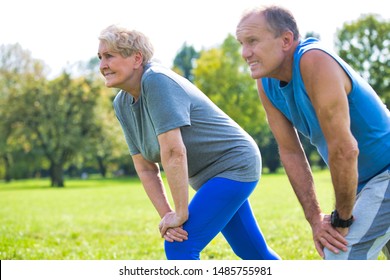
(127, 42)
(279, 19)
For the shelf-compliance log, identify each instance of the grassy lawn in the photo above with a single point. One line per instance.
(112, 219)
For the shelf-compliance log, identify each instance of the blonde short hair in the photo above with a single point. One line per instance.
(127, 42)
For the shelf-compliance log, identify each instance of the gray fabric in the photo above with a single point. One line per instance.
(370, 231)
(386, 250)
(216, 145)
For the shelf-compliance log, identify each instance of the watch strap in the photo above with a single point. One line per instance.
(336, 221)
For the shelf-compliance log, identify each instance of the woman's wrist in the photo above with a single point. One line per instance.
(182, 215)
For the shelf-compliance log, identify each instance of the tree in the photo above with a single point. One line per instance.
(106, 151)
(184, 61)
(57, 118)
(312, 34)
(224, 77)
(365, 45)
(108, 145)
(17, 68)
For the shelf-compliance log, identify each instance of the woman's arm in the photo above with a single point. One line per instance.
(174, 162)
(149, 174)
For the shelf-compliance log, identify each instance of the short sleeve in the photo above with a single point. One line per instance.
(167, 101)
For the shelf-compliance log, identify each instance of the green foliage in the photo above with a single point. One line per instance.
(313, 34)
(184, 61)
(365, 45)
(17, 70)
(56, 118)
(223, 76)
(64, 123)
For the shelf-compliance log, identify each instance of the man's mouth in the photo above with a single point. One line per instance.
(252, 63)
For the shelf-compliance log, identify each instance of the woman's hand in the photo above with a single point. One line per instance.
(171, 227)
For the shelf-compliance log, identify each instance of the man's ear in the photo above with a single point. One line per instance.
(288, 39)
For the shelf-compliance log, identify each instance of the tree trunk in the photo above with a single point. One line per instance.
(8, 176)
(57, 174)
(102, 166)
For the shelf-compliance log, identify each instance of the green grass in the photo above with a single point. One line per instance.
(112, 219)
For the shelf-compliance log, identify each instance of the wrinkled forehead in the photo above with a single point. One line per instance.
(254, 22)
(253, 18)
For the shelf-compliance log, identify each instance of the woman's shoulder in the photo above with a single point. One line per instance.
(154, 69)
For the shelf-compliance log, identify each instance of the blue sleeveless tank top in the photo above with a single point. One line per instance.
(370, 118)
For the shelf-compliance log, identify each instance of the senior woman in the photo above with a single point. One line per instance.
(167, 120)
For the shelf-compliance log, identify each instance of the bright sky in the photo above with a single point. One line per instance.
(62, 33)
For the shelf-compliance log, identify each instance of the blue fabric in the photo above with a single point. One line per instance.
(370, 119)
(221, 205)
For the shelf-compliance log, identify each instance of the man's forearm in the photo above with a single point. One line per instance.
(345, 179)
(301, 179)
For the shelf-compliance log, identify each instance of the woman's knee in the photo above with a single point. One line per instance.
(181, 251)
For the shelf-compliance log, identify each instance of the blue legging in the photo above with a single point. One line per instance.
(221, 205)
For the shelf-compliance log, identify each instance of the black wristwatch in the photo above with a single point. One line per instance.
(337, 222)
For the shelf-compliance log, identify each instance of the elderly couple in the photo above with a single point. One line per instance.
(303, 87)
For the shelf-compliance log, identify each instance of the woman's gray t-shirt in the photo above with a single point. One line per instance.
(216, 145)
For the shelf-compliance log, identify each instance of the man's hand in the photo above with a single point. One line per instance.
(325, 235)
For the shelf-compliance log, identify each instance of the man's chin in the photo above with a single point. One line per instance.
(255, 76)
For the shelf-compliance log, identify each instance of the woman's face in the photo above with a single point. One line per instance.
(118, 71)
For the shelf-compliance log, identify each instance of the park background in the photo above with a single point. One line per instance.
(68, 188)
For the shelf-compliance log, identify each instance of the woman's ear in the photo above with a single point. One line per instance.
(138, 59)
